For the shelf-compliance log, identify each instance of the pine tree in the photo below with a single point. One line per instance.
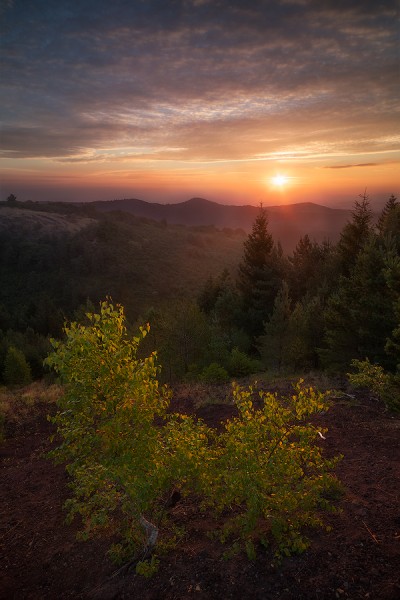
(226, 313)
(392, 277)
(220, 301)
(385, 222)
(306, 332)
(212, 289)
(257, 249)
(273, 345)
(354, 235)
(360, 314)
(260, 275)
(306, 267)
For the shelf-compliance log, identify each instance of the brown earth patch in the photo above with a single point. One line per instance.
(360, 558)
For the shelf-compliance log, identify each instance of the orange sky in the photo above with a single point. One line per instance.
(247, 182)
(166, 101)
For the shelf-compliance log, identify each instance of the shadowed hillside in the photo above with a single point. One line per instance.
(287, 223)
(41, 222)
(52, 262)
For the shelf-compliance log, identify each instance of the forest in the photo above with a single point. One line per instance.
(220, 304)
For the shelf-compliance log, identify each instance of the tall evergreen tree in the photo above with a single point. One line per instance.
(387, 216)
(212, 289)
(360, 314)
(354, 235)
(260, 275)
(306, 267)
(221, 302)
(273, 345)
(307, 331)
(392, 277)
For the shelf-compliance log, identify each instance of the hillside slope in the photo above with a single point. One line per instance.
(59, 261)
(40, 222)
(287, 222)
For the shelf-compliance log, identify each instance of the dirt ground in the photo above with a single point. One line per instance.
(360, 558)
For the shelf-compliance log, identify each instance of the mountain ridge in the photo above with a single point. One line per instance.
(287, 223)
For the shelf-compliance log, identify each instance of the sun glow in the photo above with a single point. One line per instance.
(280, 180)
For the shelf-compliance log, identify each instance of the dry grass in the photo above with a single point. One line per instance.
(18, 404)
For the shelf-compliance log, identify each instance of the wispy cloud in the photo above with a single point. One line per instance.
(351, 166)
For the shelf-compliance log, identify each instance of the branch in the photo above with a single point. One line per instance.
(152, 535)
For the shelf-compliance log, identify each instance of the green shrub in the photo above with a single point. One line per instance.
(214, 373)
(268, 473)
(106, 422)
(241, 365)
(16, 369)
(193, 373)
(148, 568)
(373, 377)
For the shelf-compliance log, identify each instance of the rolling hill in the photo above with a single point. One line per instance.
(70, 257)
(287, 222)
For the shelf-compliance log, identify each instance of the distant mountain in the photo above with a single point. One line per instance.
(287, 222)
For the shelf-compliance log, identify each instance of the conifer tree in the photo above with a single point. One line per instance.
(386, 218)
(220, 301)
(392, 277)
(354, 235)
(273, 345)
(360, 314)
(212, 289)
(260, 275)
(306, 267)
(257, 249)
(306, 333)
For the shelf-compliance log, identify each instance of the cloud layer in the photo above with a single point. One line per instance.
(199, 81)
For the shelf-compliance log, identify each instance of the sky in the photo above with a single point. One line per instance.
(239, 101)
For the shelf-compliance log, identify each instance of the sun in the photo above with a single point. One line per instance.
(280, 180)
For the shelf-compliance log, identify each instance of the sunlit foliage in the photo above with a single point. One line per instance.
(263, 476)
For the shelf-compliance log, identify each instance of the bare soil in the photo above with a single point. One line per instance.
(40, 557)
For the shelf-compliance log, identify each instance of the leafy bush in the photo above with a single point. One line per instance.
(374, 377)
(214, 373)
(240, 365)
(261, 477)
(16, 369)
(268, 473)
(106, 422)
